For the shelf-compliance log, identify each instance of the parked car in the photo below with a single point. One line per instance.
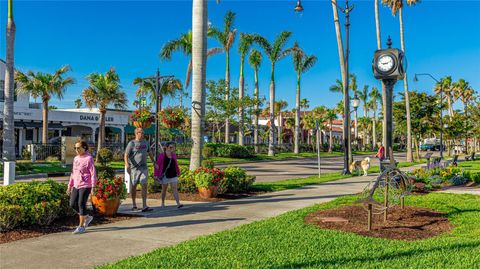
(426, 147)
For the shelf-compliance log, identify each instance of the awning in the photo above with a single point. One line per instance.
(130, 129)
(57, 126)
(32, 124)
(113, 130)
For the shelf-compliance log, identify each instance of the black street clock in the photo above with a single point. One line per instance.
(388, 64)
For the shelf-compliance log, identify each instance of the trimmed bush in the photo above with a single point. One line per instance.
(475, 178)
(33, 203)
(237, 180)
(208, 164)
(227, 150)
(186, 181)
(457, 180)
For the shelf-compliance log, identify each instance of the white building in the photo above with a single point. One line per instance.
(82, 122)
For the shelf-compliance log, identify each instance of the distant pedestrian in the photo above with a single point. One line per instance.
(168, 171)
(380, 155)
(82, 182)
(136, 163)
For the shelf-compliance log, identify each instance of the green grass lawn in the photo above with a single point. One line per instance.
(473, 166)
(287, 242)
(23, 168)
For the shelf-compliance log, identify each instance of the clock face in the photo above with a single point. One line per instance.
(385, 63)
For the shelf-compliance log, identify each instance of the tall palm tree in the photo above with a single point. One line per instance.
(255, 60)
(301, 63)
(8, 114)
(78, 103)
(363, 96)
(243, 48)
(464, 92)
(226, 38)
(44, 86)
(397, 7)
(384, 89)
(183, 44)
(375, 96)
(279, 106)
(104, 91)
(445, 85)
(167, 88)
(275, 51)
(199, 64)
(330, 116)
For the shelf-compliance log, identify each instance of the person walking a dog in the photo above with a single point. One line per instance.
(380, 155)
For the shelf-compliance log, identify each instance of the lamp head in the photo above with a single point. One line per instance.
(415, 78)
(298, 7)
(355, 102)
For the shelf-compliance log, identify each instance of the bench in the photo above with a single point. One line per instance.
(471, 157)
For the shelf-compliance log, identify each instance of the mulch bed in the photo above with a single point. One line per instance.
(59, 225)
(195, 197)
(409, 224)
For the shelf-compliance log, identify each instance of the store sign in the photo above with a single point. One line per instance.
(95, 118)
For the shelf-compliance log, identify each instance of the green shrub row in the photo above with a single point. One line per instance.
(33, 203)
(227, 150)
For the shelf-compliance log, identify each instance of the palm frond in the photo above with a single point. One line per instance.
(279, 43)
(309, 62)
(255, 59)
(263, 43)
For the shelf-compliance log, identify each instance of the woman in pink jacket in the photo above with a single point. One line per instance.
(82, 181)
(168, 172)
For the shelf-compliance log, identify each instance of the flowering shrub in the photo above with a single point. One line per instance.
(142, 115)
(110, 188)
(209, 177)
(172, 117)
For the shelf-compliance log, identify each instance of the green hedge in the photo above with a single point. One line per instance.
(33, 203)
(237, 180)
(227, 150)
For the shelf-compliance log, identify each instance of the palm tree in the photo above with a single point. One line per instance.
(8, 114)
(330, 116)
(464, 92)
(384, 89)
(78, 103)
(168, 88)
(104, 91)
(279, 106)
(309, 124)
(199, 65)
(44, 86)
(226, 38)
(397, 6)
(337, 87)
(374, 98)
(275, 51)
(255, 61)
(243, 48)
(363, 96)
(183, 44)
(301, 63)
(445, 85)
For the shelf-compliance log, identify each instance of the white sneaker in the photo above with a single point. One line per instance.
(79, 230)
(88, 219)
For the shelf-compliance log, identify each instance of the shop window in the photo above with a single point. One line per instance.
(29, 135)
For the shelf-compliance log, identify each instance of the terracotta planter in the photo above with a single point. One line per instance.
(207, 192)
(143, 125)
(104, 207)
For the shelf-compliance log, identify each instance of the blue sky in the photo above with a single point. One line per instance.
(442, 38)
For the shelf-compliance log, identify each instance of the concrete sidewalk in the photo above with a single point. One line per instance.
(164, 227)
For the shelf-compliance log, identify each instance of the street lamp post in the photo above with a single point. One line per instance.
(346, 98)
(355, 104)
(415, 79)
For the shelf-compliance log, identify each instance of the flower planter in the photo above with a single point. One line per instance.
(143, 125)
(171, 124)
(209, 192)
(105, 207)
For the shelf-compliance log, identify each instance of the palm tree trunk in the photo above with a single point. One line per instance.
(255, 132)
(271, 135)
(227, 95)
(407, 97)
(330, 140)
(101, 131)
(240, 107)
(45, 122)
(377, 26)
(280, 127)
(384, 90)
(297, 117)
(450, 108)
(199, 57)
(8, 109)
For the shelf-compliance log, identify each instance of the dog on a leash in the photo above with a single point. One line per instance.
(357, 165)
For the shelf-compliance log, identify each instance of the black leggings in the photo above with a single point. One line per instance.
(78, 200)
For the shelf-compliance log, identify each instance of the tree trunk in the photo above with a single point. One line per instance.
(271, 135)
(330, 140)
(199, 57)
(296, 149)
(101, 132)
(45, 122)
(374, 131)
(417, 150)
(280, 128)
(227, 95)
(255, 132)
(240, 107)
(407, 97)
(450, 107)
(379, 47)
(8, 109)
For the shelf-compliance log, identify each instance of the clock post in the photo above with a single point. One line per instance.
(388, 66)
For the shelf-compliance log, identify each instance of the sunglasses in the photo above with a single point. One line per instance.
(77, 148)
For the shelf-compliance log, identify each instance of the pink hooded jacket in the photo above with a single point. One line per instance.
(83, 173)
